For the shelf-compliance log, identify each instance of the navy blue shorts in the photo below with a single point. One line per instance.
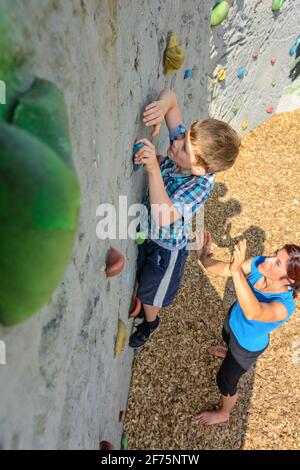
(159, 272)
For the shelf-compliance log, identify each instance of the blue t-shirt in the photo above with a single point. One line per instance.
(252, 334)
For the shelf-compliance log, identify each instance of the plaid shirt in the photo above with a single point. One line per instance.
(187, 193)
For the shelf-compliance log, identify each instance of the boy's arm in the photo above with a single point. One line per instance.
(162, 209)
(173, 116)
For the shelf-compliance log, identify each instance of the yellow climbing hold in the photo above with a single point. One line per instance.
(121, 338)
(174, 55)
(221, 75)
(245, 124)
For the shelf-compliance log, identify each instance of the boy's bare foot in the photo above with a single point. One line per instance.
(218, 351)
(208, 418)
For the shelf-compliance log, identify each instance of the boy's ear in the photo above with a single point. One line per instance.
(198, 170)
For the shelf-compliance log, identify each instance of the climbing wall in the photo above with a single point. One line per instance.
(252, 46)
(62, 386)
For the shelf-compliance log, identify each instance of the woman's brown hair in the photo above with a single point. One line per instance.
(293, 266)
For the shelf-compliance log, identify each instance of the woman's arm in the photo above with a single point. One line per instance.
(252, 308)
(217, 267)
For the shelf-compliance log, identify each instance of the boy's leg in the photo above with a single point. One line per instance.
(159, 281)
(151, 312)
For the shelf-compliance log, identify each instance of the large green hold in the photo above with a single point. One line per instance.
(39, 204)
(15, 72)
(39, 189)
(42, 113)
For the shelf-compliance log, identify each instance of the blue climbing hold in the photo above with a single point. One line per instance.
(241, 72)
(135, 149)
(188, 73)
(295, 47)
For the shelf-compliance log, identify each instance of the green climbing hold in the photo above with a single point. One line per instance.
(124, 442)
(140, 238)
(235, 108)
(39, 189)
(42, 112)
(39, 206)
(277, 4)
(14, 72)
(219, 13)
(274, 83)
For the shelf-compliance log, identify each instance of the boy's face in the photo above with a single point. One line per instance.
(182, 154)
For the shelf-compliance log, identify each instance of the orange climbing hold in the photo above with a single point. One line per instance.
(137, 307)
(114, 263)
(105, 445)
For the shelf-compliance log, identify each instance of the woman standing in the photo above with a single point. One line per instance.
(265, 301)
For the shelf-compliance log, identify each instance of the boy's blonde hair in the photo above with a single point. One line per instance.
(215, 144)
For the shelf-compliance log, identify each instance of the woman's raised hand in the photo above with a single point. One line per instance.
(238, 256)
(204, 252)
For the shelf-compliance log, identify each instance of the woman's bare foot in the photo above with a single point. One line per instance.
(208, 418)
(218, 351)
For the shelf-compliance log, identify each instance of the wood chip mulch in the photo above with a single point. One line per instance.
(173, 376)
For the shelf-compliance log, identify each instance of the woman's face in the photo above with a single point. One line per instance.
(275, 266)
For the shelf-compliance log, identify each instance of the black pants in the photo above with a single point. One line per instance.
(232, 370)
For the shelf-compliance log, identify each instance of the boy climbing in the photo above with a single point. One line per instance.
(178, 188)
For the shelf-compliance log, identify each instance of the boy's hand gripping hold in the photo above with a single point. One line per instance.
(146, 156)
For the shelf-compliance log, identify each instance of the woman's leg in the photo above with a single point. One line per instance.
(218, 351)
(221, 415)
(227, 379)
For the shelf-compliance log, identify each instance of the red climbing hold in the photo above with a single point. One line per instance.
(137, 307)
(122, 416)
(114, 263)
(254, 55)
(273, 60)
(270, 109)
(105, 445)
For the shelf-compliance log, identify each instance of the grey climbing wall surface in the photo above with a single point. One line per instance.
(62, 388)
